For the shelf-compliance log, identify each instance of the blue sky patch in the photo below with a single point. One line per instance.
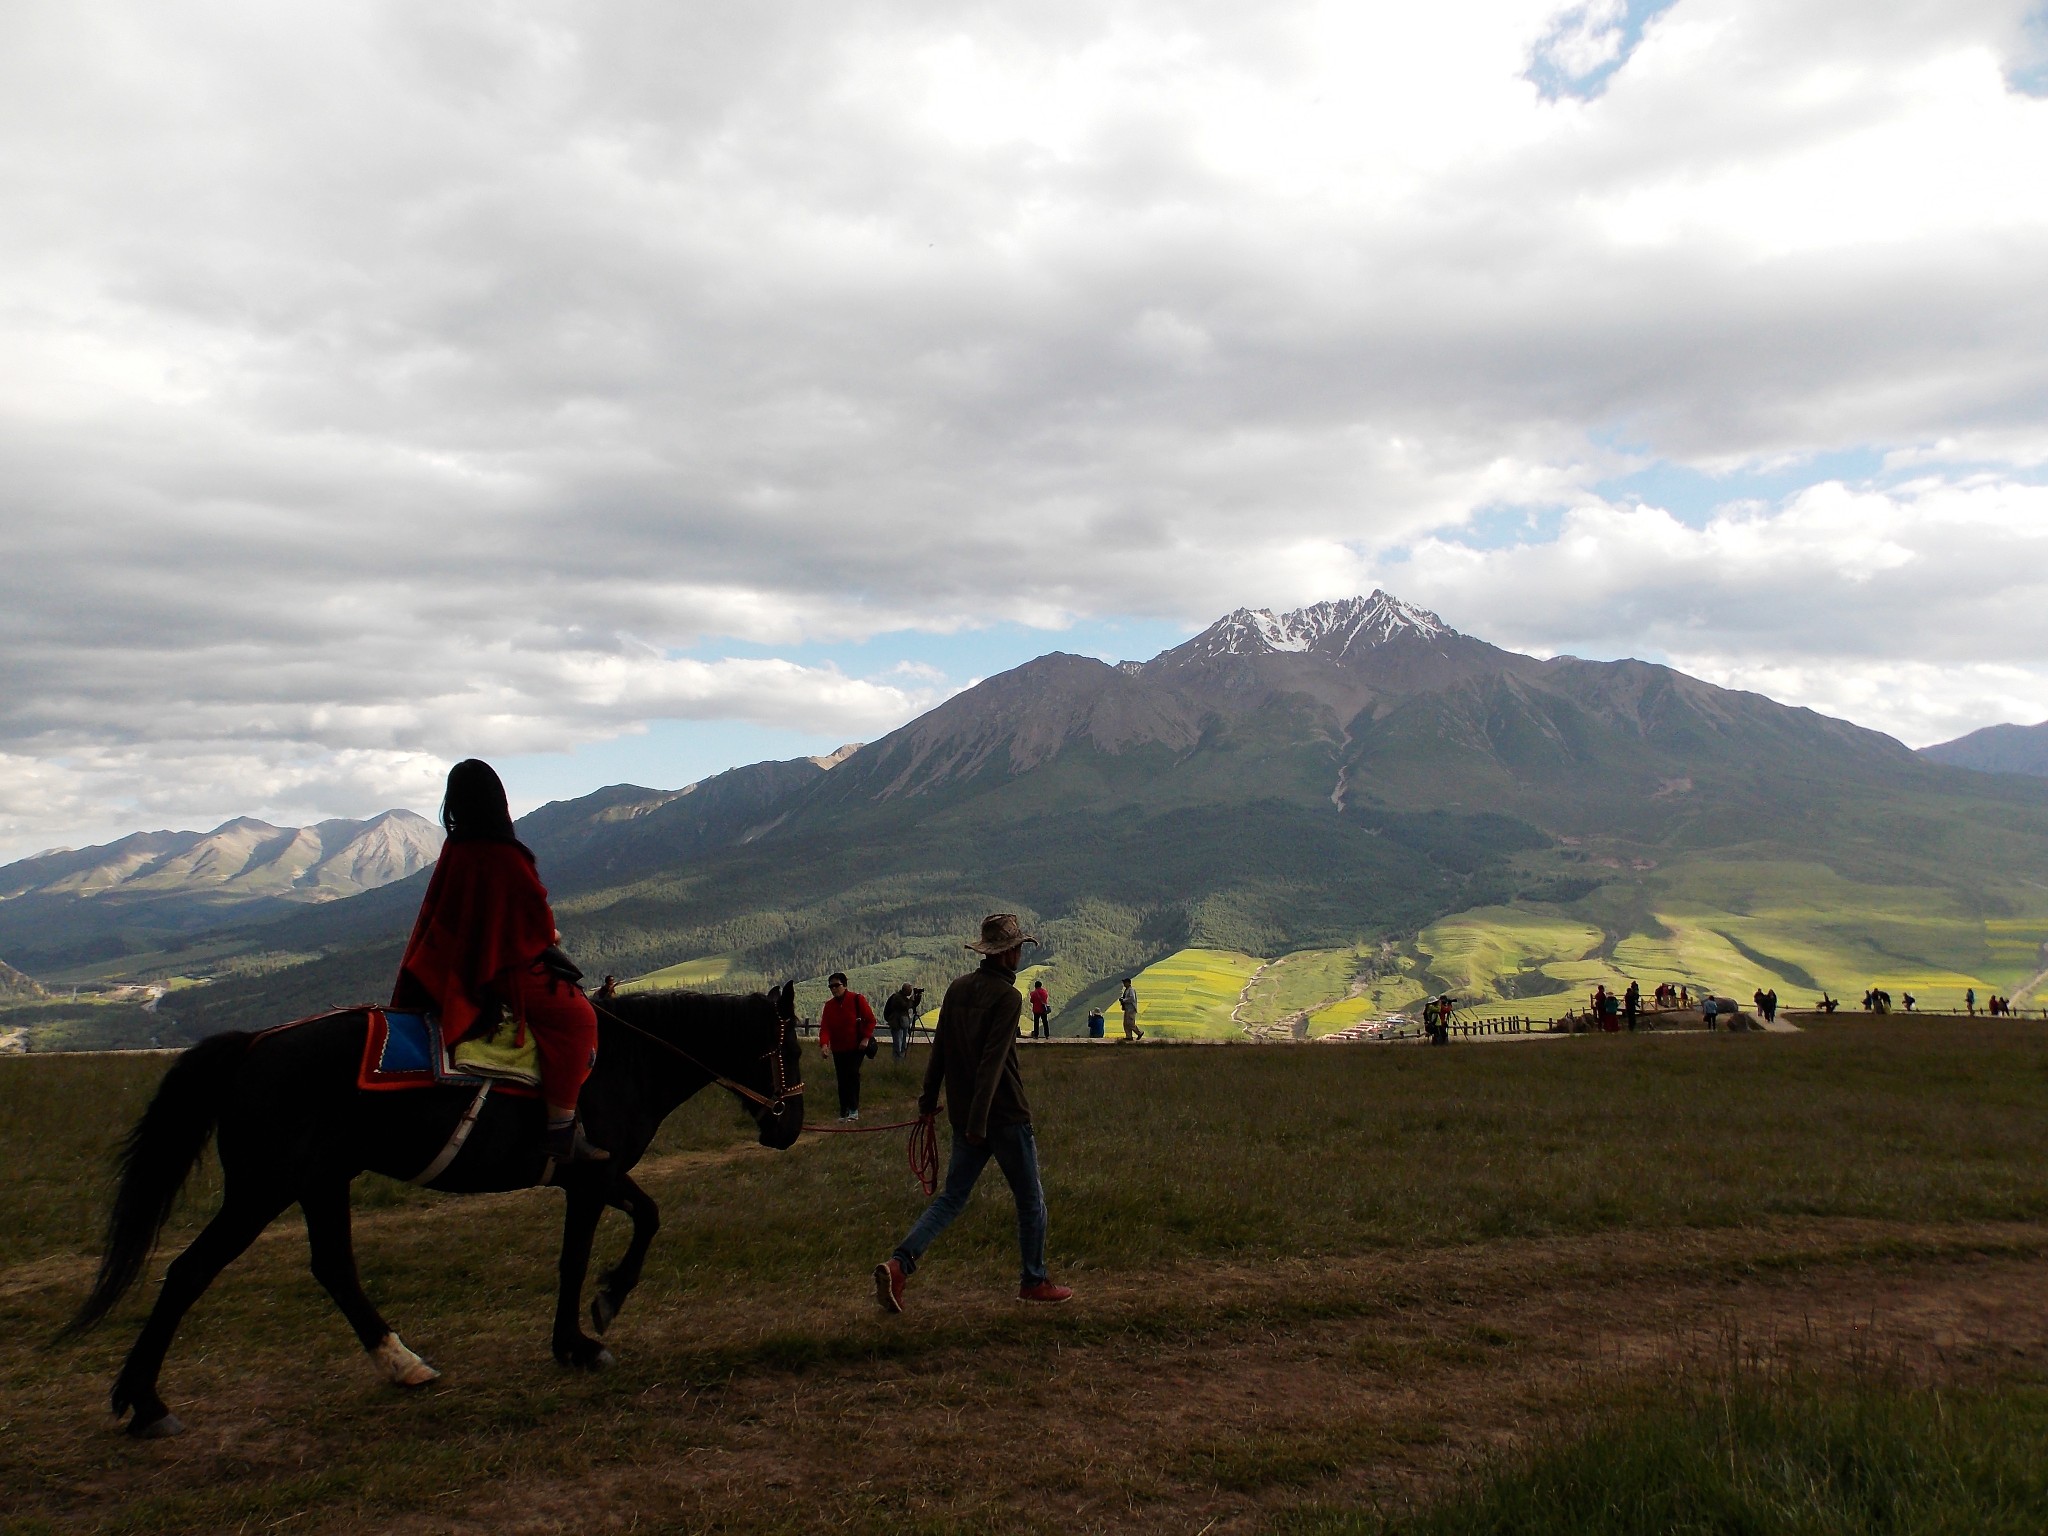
(1691, 495)
(1506, 527)
(1587, 43)
(2028, 74)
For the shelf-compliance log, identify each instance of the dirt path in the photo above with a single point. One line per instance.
(2030, 984)
(1244, 994)
(1201, 1398)
(1262, 1034)
(1374, 1381)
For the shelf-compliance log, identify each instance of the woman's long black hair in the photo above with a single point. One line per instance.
(474, 804)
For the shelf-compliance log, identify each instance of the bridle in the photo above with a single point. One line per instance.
(776, 1055)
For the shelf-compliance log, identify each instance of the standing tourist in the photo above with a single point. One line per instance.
(1128, 1001)
(974, 1060)
(897, 1013)
(846, 1033)
(485, 938)
(1041, 1009)
(1632, 1005)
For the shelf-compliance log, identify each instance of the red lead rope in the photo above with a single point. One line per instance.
(922, 1150)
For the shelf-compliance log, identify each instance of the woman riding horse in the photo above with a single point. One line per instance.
(486, 936)
(295, 1125)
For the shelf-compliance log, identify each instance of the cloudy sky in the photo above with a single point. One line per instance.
(623, 391)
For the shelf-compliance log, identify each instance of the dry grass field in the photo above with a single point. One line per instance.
(1609, 1284)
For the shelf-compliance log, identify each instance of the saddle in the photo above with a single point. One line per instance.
(405, 1050)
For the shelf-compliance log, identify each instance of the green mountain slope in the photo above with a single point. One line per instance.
(1996, 749)
(1342, 776)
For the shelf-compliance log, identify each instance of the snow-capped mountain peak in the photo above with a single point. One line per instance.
(1335, 630)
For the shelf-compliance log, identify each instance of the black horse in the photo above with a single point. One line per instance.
(295, 1129)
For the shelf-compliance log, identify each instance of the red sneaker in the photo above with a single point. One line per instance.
(1045, 1290)
(889, 1282)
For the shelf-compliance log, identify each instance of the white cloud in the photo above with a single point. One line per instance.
(378, 378)
(1920, 610)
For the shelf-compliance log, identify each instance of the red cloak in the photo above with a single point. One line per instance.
(485, 914)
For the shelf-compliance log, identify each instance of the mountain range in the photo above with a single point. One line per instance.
(146, 889)
(1997, 749)
(1347, 772)
(243, 858)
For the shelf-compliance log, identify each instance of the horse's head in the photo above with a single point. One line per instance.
(781, 1118)
(746, 1045)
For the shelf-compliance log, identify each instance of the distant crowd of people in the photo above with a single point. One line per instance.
(846, 1028)
(1612, 1011)
(1879, 1000)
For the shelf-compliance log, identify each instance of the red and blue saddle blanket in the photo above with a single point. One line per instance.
(404, 1050)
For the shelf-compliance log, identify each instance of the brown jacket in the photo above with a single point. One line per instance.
(974, 1053)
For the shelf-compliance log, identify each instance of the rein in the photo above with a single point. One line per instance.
(774, 1106)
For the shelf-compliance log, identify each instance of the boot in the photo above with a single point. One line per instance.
(565, 1144)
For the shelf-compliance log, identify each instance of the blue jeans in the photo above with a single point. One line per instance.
(1015, 1150)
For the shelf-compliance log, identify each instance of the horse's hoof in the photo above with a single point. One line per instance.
(592, 1357)
(602, 1310)
(161, 1428)
(400, 1366)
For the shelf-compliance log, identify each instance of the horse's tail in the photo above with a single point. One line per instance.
(155, 1161)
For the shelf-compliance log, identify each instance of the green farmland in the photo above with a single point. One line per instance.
(1727, 927)
(691, 975)
(1189, 995)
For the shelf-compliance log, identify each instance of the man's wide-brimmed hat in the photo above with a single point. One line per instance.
(1000, 931)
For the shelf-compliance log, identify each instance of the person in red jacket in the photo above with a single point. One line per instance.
(846, 1033)
(1041, 1010)
(485, 937)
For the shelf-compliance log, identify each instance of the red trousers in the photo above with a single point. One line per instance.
(564, 1029)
